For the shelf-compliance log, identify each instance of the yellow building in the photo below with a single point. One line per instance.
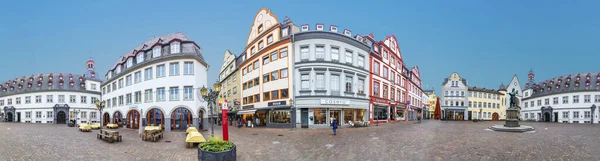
(432, 101)
(487, 104)
(229, 77)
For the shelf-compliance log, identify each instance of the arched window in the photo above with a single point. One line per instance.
(155, 117)
(117, 117)
(181, 119)
(133, 119)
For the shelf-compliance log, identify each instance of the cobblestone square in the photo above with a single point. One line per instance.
(430, 140)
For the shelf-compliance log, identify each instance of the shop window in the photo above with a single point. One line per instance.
(320, 116)
(279, 116)
(348, 115)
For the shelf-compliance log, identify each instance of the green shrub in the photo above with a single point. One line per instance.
(216, 144)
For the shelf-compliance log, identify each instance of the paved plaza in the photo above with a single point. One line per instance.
(430, 140)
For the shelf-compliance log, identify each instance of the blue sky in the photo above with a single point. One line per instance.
(486, 42)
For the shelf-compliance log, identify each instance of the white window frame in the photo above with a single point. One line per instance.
(320, 52)
(175, 47)
(161, 71)
(156, 52)
(188, 68)
(173, 93)
(349, 54)
(304, 53)
(174, 68)
(305, 81)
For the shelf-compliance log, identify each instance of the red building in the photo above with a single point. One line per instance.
(392, 84)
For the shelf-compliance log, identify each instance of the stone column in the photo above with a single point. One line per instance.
(195, 123)
(167, 126)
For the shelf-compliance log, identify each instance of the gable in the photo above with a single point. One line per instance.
(392, 44)
(227, 59)
(514, 84)
(263, 20)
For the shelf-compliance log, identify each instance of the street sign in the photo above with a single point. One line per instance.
(224, 105)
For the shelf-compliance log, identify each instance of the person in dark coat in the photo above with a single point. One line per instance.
(335, 125)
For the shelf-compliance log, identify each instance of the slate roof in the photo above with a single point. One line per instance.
(34, 80)
(484, 90)
(502, 87)
(428, 91)
(566, 83)
(464, 81)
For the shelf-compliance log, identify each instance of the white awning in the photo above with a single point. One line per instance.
(247, 112)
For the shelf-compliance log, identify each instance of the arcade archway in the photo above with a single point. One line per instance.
(133, 119)
(181, 118)
(155, 117)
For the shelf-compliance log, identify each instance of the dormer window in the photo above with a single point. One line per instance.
(39, 84)
(305, 27)
(139, 58)
(156, 52)
(20, 86)
(560, 80)
(29, 85)
(60, 82)
(284, 32)
(175, 47)
(260, 28)
(551, 82)
(12, 88)
(71, 83)
(577, 78)
(568, 79)
(129, 62)
(333, 28)
(557, 86)
(576, 84)
(347, 32)
(82, 84)
(320, 27)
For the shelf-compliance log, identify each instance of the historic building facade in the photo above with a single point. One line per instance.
(431, 102)
(331, 72)
(487, 104)
(157, 83)
(454, 103)
(52, 98)
(572, 98)
(229, 77)
(265, 78)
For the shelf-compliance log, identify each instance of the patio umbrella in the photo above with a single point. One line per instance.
(437, 113)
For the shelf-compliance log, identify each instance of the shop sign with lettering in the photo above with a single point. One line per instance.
(335, 102)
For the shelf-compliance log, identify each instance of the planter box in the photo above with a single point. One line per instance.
(229, 155)
(71, 124)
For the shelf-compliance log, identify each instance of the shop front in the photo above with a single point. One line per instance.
(247, 115)
(277, 114)
(381, 110)
(320, 112)
(400, 113)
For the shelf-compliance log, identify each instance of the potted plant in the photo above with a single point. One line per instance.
(71, 123)
(217, 150)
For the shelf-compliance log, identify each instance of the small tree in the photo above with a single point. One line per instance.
(100, 106)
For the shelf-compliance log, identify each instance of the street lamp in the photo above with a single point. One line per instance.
(293, 121)
(100, 106)
(211, 97)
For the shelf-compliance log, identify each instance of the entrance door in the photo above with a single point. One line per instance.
(470, 115)
(9, 117)
(304, 118)
(556, 117)
(18, 117)
(201, 119)
(61, 117)
(495, 117)
(335, 114)
(133, 119)
(547, 117)
(106, 119)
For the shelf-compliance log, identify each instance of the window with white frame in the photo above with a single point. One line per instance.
(61, 98)
(38, 114)
(304, 54)
(138, 77)
(174, 93)
(188, 68)
(148, 72)
(349, 83)
(587, 114)
(576, 99)
(160, 71)
(114, 102)
(526, 104)
(148, 95)
(93, 115)
(27, 114)
(320, 81)
(128, 80)
(120, 83)
(596, 98)
(234, 90)
(320, 52)
(526, 115)
(175, 48)
(121, 100)
(305, 78)
(49, 114)
(335, 83)
(156, 52)
(139, 58)
(94, 99)
(18, 100)
(138, 96)
(587, 98)
(129, 62)
(539, 102)
(335, 53)
(547, 101)
(84, 99)
(566, 114)
(188, 93)
(28, 100)
(349, 55)
(575, 114)
(361, 61)
(160, 94)
(565, 99)
(83, 114)
(360, 85)
(38, 99)
(174, 69)
(114, 86)
(128, 98)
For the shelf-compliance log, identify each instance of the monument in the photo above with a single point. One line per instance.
(512, 116)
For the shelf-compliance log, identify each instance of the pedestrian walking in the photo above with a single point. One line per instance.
(239, 122)
(335, 125)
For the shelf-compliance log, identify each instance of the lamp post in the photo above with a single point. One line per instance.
(293, 121)
(100, 106)
(211, 97)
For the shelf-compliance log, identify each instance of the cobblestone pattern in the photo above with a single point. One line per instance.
(430, 140)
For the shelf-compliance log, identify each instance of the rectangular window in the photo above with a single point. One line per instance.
(320, 52)
(283, 73)
(148, 72)
(114, 102)
(376, 68)
(360, 85)
(256, 81)
(138, 77)
(274, 94)
(120, 83)
(587, 114)
(385, 72)
(188, 93)
(114, 86)
(566, 114)
(261, 45)
(539, 102)
(587, 98)
(234, 90)
(256, 64)
(174, 69)
(83, 114)
(50, 114)
(526, 104)
(320, 81)
(188, 68)
(349, 55)
(148, 95)
(283, 53)
(27, 114)
(576, 99)
(284, 93)
(128, 98)
(160, 94)
(597, 98)
(93, 115)
(349, 84)
(335, 54)
(175, 48)
(555, 100)
(156, 52)
(128, 80)
(28, 100)
(385, 91)
(270, 39)
(305, 85)
(138, 97)
(174, 93)
(61, 98)
(575, 114)
(266, 59)
(361, 61)
(267, 96)
(38, 114)
(547, 101)
(266, 78)
(335, 83)
(304, 54)
(139, 58)
(565, 99)
(160, 71)
(392, 77)
(38, 99)
(121, 100)
(376, 89)
(84, 99)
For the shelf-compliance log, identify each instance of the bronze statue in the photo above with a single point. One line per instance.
(513, 99)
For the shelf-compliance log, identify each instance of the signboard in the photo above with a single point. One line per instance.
(276, 103)
(335, 102)
(380, 100)
(133, 106)
(248, 107)
(224, 105)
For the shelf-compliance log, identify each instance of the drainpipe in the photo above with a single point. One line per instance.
(293, 69)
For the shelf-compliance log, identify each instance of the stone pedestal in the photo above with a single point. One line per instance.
(512, 118)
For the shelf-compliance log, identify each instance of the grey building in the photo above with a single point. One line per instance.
(331, 77)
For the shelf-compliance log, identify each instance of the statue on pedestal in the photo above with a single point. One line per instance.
(514, 102)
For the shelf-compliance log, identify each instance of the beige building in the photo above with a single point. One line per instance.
(432, 101)
(230, 81)
(487, 104)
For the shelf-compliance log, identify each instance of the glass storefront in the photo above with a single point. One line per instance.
(320, 116)
(262, 119)
(399, 114)
(181, 119)
(280, 116)
(348, 115)
(133, 119)
(118, 118)
(381, 113)
(155, 117)
(360, 115)
(334, 114)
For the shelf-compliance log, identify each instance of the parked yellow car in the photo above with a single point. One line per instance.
(95, 126)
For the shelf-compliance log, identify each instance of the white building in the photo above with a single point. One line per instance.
(331, 72)
(51, 98)
(566, 99)
(454, 97)
(157, 83)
